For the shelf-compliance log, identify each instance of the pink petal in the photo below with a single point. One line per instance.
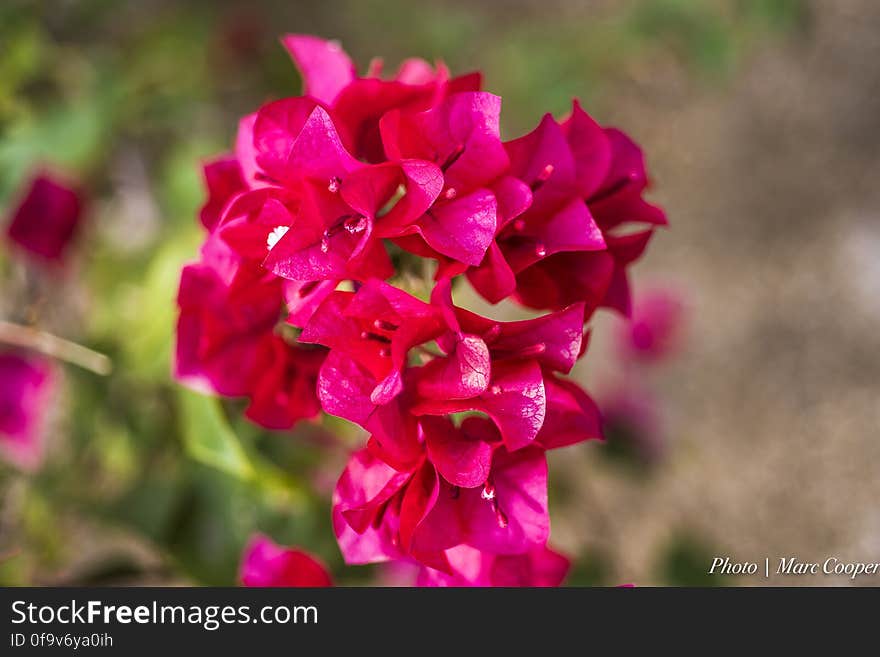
(285, 391)
(516, 519)
(516, 401)
(493, 278)
(420, 496)
(223, 179)
(464, 373)
(461, 135)
(275, 131)
(553, 339)
(541, 566)
(570, 228)
(423, 182)
(543, 156)
(318, 151)
(572, 416)
(303, 299)
(325, 67)
(462, 229)
(365, 489)
(619, 200)
(265, 563)
(462, 459)
(591, 148)
(246, 152)
(321, 245)
(566, 278)
(344, 388)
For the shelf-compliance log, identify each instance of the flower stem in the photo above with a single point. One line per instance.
(52, 345)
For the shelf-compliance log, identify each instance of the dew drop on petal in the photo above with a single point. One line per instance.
(383, 325)
(501, 517)
(496, 389)
(277, 233)
(534, 350)
(546, 172)
(450, 193)
(540, 250)
(488, 492)
(333, 186)
(355, 224)
(325, 242)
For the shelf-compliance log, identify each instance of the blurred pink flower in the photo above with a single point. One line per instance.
(27, 384)
(47, 219)
(266, 563)
(654, 330)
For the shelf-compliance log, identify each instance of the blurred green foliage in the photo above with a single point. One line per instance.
(129, 97)
(685, 562)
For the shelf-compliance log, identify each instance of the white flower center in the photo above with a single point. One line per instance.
(277, 233)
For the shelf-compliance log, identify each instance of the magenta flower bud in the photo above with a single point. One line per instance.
(46, 221)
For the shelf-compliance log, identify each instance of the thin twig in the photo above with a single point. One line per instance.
(52, 345)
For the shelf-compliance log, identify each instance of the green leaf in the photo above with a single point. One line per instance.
(208, 437)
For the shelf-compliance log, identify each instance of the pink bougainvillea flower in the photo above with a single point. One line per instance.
(509, 513)
(46, 221)
(366, 510)
(265, 563)
(331, 195)
(539, 567)
(284, 392)
(381, 513)
(513, 393)
(653, 332)
(461, 135)
(514, 398)
(486, 366)
(219, 331)
(586, 183)
(226, 341)
(359, 103)
(27, 385)
(376, 327)
(339, 199)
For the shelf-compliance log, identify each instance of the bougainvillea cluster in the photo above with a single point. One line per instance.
(329, 205)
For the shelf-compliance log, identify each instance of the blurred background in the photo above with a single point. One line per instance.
(754, 434)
